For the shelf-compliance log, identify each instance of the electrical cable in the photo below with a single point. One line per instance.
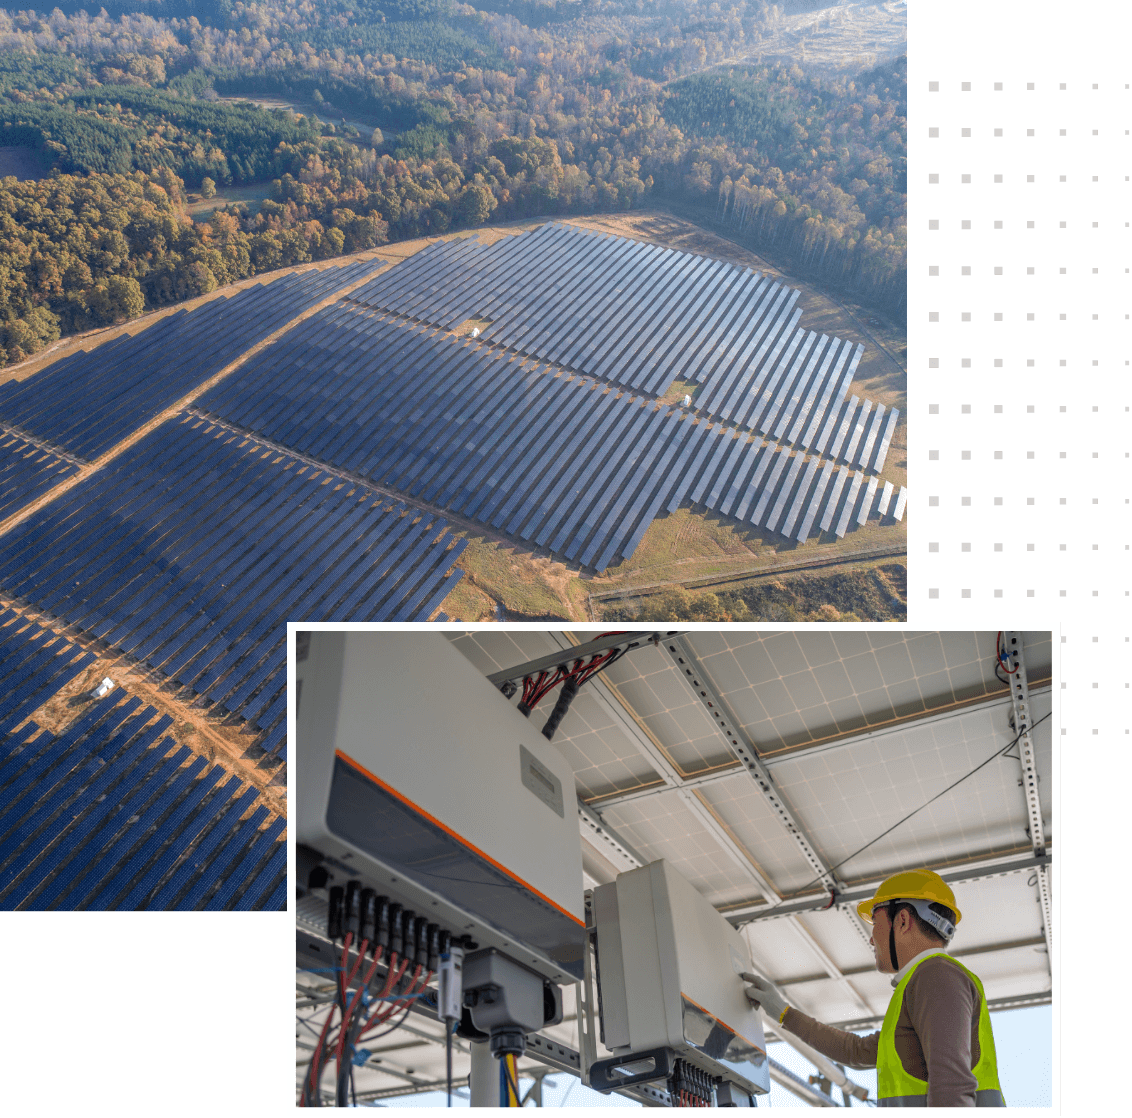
(994, 756)
(311, 1089)
(351, 1008)
(391, 980)
(511, 1074)
(449, 1029)
(406, 997)
(1004, 656)
(348, 1034)
(536, 688)
(396, 1026)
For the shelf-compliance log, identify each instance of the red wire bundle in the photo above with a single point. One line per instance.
(351, 1014)
(537, 687)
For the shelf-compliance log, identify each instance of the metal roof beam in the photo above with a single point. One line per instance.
(974, 871)
(606, 841)
(728, 728)
(771, 762)
(606, 696)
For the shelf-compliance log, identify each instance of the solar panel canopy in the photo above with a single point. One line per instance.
(858, 730)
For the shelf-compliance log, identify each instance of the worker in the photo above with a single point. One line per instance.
(935, 1047)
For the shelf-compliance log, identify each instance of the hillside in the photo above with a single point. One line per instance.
(423, 116)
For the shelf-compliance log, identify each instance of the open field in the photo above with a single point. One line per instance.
(852, 35)
(253, 193)
(327, 114)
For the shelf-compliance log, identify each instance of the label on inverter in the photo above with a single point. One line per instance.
(541, 781)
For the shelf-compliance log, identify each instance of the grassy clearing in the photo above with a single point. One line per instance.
(201, 209)
(687, 545)
(868, 592)
(464, 330)
(502, 582)
(678, 390)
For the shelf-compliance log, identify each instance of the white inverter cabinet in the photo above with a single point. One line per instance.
(416, 777)
(668, 967)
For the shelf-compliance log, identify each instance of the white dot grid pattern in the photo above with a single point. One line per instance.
(948, 303)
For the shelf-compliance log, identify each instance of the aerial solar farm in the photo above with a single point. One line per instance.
(323, 446)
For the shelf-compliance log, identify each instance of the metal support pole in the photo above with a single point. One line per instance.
(1023, 721)
(484, 1077)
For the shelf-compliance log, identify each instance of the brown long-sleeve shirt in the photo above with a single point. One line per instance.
(937, 1034)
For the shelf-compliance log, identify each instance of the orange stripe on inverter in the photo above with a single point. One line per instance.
(448, 831)
(707, 1013)
(717, 1020)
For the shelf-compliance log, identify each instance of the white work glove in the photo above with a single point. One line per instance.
(762, 992)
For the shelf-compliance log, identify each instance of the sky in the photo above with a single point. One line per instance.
(1023, 1041)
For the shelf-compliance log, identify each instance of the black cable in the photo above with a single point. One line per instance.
(353, 1093)
(340, 982)
(350, 1046)
(448, 1027)
(399, 1022)
(994, 756)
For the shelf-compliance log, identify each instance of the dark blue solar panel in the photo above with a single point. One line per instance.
(88, 402)
(139, 557)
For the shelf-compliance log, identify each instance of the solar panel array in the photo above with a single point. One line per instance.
(34, 665)
(104, 816)
(112, 814)
(87, 402)
(641, 315)
(136, 555)
(557, 460)
(27, 472)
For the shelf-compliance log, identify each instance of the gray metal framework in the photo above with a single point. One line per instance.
(1023, 723)
(835, 742)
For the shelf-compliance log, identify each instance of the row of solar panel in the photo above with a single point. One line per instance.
(488, 426)
(137, 555)
(472, 431)
(620, 310)
(639, 315)
(34, 664)
(764, 484)
(109, 814)
(857, 434)
(88, 402)
(27, 472)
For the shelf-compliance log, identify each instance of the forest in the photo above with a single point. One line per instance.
(520, 108)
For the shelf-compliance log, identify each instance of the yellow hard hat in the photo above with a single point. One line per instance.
(914, 885)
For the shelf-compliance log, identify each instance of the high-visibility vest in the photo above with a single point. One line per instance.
(895, 1087)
